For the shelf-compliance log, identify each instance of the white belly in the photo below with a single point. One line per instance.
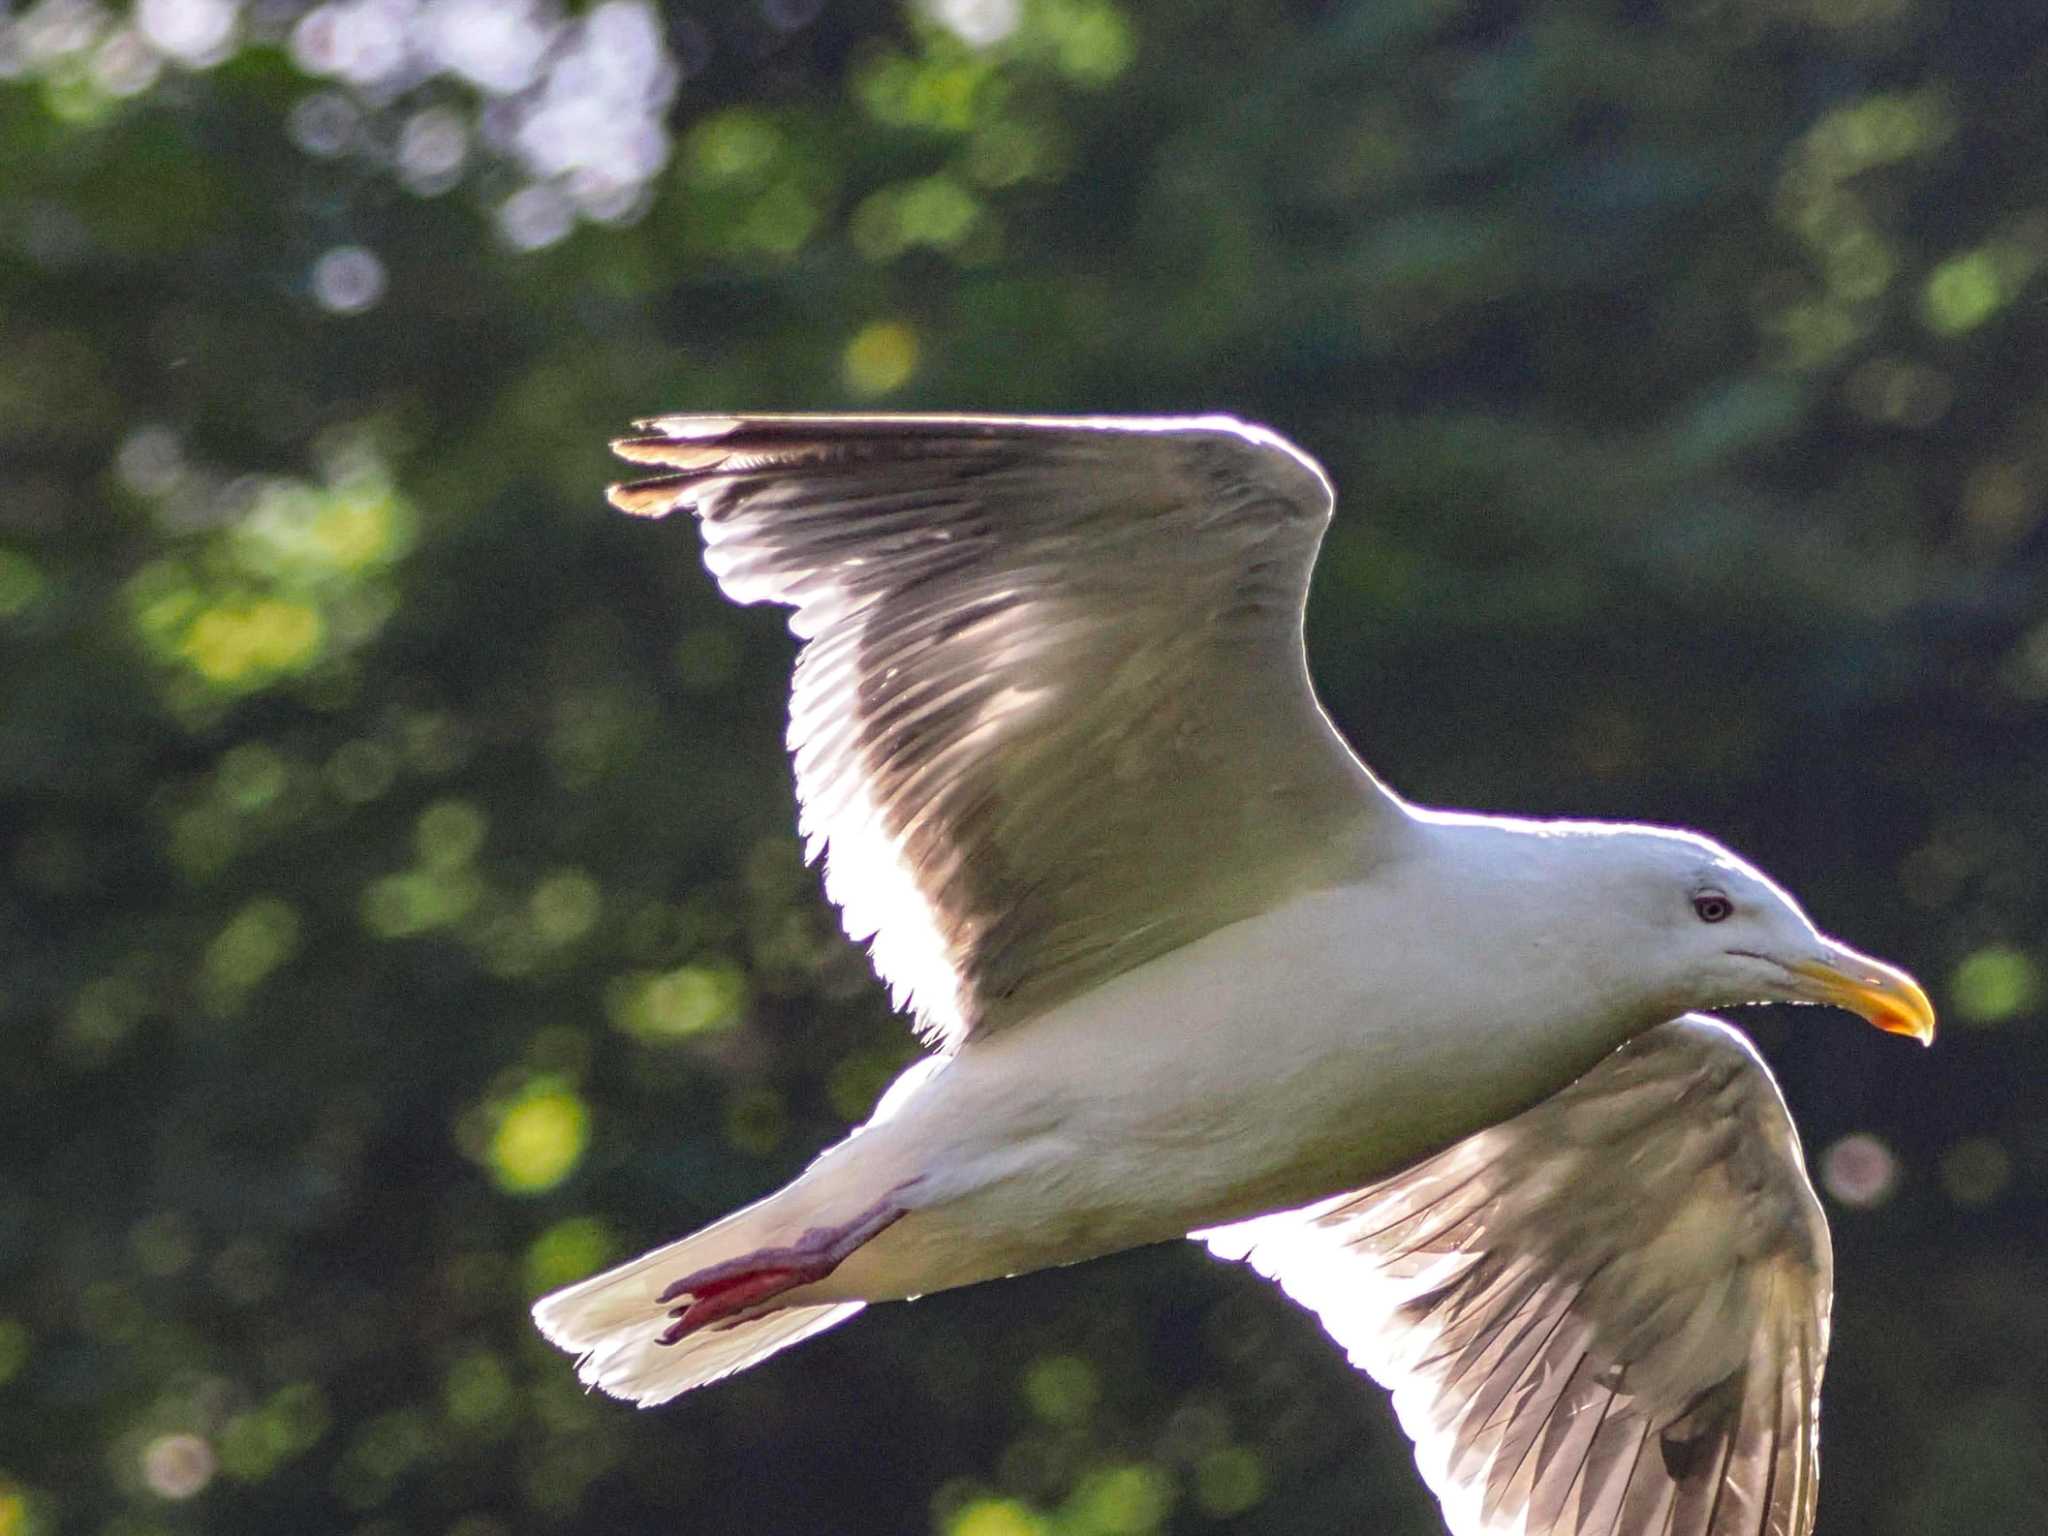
(1277, 1061)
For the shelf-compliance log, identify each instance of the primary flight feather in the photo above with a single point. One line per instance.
(1192, 969)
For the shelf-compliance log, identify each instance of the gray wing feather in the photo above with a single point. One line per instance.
(1052, 716)
(1607, 1316)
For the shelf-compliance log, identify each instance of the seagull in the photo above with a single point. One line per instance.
(1191, 969)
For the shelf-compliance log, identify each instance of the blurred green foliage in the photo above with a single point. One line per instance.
(401, 914)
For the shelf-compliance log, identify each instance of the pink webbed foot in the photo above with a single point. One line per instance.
(722, 1292)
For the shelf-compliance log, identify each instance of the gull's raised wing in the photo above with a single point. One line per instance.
(1052, 717)
(1604, 1317)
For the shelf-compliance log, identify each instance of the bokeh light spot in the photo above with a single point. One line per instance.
(17, 1513)
(399, 906)
(781, 220)
(177, 1466)
(1994, 985)
(101, 1016)
(1962, 293)
(355, 527)
(449, 833)
(361, 41)
(937, 211)
(348, 280)
(756, 1121)
(539, 1140)
(733, 146)
(21, 583)
(299, 1414)
(126, 65)
(567, 1252)
(535, 217)
(1091, 39)
(259, 939)
(478, 1393)
(670, 1005)
(14, 1349)
(239, 643)
(1975, 1171)
(1130, 1500)
(565, 906)
(880, 358)
(1859, 1171)
(431, 150)
(382, 1451)
(496, 44)
(275, 575)
(254, 1444)
(977, 23)
(150, 461)
(996, 1517)
(1880, 129)
(249, 777)
(707, 659)
(324, 123)
(1229, 1481)
(1062, 1389)
(195, 32)
(247, 1452)
(362, 770)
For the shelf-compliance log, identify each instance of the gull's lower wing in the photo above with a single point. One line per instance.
(1605, 1317)
(1052, 717)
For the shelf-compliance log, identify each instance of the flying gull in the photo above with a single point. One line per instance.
(1192, 969)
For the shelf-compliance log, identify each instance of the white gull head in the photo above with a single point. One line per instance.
(1661, 920)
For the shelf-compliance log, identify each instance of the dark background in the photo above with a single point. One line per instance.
(399, 907)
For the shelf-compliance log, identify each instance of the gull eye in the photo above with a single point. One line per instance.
(1712, 906)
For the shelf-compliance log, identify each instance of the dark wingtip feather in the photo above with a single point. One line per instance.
(676, 453)
(646, 498)
(687, 428)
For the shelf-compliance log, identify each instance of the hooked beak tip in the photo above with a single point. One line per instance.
(1880, 993)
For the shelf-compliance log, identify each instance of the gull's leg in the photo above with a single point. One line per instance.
(720, 1292)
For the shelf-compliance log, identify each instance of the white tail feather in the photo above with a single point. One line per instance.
(612, 1320)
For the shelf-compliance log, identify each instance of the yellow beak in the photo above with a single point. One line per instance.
(1883, 994)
